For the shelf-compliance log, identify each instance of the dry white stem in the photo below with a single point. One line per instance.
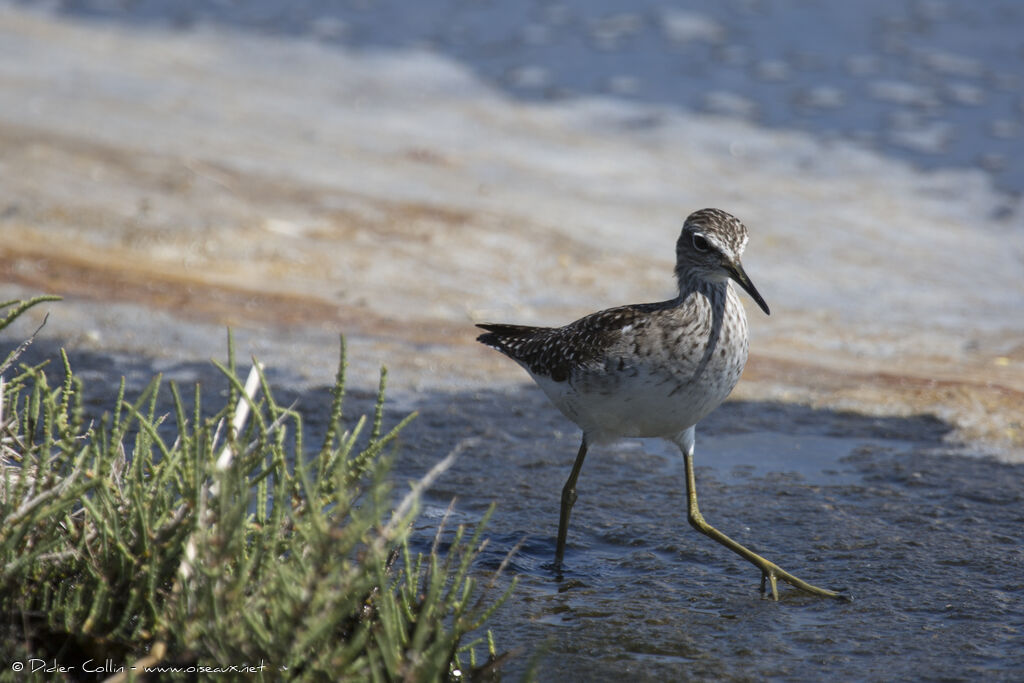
(252, 385)
(24, 345)
(418, 488)
(35, 501)
(156, 654)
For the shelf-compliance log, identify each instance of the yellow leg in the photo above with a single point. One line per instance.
(568, 500)
(770, 572)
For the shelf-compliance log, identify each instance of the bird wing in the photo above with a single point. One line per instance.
(556, 352)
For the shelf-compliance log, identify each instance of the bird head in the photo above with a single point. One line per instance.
(710, 247)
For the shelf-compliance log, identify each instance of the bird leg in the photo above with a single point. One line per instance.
(770, 572)
(568, 499)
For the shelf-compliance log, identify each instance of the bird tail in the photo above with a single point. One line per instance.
(502, 337)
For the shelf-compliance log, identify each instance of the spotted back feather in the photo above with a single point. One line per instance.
(554, 351)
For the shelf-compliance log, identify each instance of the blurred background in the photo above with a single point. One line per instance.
(935, 82)
(397, 171)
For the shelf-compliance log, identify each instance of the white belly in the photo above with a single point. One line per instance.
(645, 405)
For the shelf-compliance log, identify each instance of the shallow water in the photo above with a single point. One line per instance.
(927, 543)
(925, 540)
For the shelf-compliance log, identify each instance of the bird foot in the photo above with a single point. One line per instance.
(769, 577)
(771, 573)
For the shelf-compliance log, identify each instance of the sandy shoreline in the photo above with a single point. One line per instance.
(297, 191)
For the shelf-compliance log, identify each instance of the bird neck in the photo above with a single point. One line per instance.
(715, 291)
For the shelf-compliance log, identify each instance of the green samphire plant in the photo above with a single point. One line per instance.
(191, 543)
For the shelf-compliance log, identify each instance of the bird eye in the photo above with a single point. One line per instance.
(700, 243)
